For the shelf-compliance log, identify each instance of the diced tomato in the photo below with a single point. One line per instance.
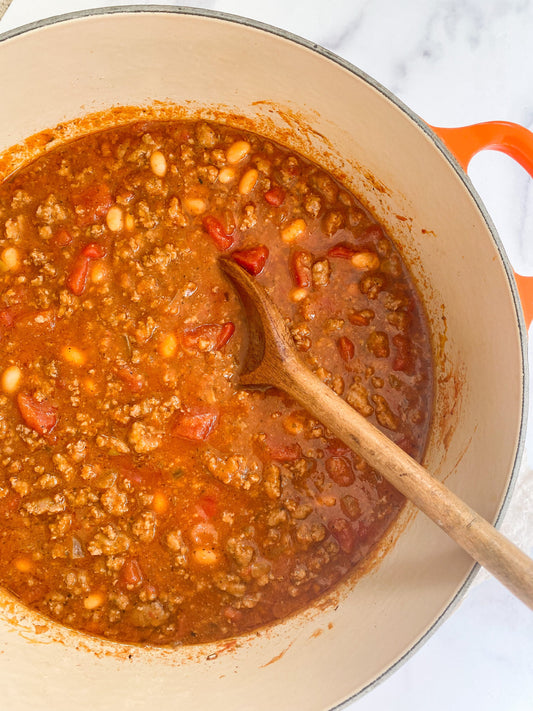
(208, 337)
(343, 532)
(283, 452)
(62, 238)
(252, 259)
(341, 251)
(93, 250)
(207, 505)
(195, 425)
(92, 204)
(131, 573)
(346, 348)
(40, 416)
(275, 196)
(215, 230)
(139, 476)
(340, 471)
(77, 279)
(403, 360)
(301, 263)
(133, 380)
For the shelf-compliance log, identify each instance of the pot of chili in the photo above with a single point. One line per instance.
(156, 521)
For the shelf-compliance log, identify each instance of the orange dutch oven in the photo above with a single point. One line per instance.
(77, 73)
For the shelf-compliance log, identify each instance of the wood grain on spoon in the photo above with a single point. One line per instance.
(272, 360)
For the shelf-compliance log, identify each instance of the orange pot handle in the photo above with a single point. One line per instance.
(510, 138)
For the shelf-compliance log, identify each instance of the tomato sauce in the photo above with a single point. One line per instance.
(144, 495)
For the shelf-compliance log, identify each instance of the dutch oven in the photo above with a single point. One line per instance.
(77, 73)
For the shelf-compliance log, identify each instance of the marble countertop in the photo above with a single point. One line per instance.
(454, 62)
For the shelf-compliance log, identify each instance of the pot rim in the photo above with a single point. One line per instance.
(454, 164)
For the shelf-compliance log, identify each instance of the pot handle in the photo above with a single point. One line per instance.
(510, 138)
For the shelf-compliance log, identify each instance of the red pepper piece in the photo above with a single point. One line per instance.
(93, 250)
(41, 416)
(131, 574)
(92, 204)
(275, 196)
(208, 337)
(340, 471)
(252, 259)
(216, 231)
(284, 452)
(343, 533)
(341, 251)
(301, 264)
(195, 425)
(358, 318)
(346, 348)
(226, 332)
(133, 380)
(77, 279)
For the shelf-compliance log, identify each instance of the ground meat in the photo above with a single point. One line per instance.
(384, 415)
(235, 470)
(229, 583)
(320, 272)
(301, 334)
(241, 551)
(114, 502)
(48, 505)
(378, 344)
(205, 135)
(332, 222)
(150, 614)
(357, 396)
(272, 481)
(144, 526)
(144, 438)
(109, 541)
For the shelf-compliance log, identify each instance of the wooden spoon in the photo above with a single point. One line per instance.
(272, 360)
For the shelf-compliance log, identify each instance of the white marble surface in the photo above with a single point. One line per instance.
(454, 62)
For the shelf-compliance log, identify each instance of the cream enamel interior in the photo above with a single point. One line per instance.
(314, 661)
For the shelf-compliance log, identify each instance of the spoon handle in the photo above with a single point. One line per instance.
(473, 533)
